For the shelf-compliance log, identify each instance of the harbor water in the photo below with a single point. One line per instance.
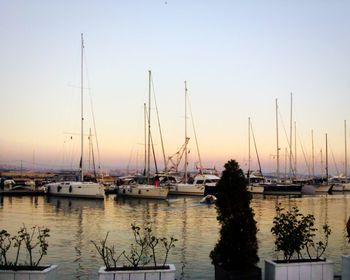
(73, 223)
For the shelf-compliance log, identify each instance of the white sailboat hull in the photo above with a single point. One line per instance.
(323, 189)
(143, 191)
(187, 189)
(75, 189)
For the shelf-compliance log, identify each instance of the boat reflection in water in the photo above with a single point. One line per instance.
(72, 203)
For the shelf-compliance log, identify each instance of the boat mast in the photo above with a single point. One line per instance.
(160, 133)
(145, 135)
(256, 148)
(295, 148)
(321, 154)
(82, 108)
(195, 136)
(277, 147)
(326, 159)
(186, 163)
(149, 127)
(290, 136)
(346, 155)
(249, 159)
(313, 154)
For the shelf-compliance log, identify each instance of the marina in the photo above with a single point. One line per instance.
(75, 222)
(127, 121)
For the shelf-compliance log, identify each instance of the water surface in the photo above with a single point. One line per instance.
(75, 222)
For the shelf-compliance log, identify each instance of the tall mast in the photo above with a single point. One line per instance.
(82, 108)
(145, 135)
(186, 132)
(277, 146)
(149, 127)
(326, 159)
(160, 130)
(256, 148)
(321, 154)
(346, 155)
(290, 135)
(249, 159)
(295, 148)
(313, 154)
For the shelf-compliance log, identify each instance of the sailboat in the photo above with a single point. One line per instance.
(80, 188)
(255, 178)
(340, 181)
(196, 185)
(279, 186)
(325, 187)
(145, 190)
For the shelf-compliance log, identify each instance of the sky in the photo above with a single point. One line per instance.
(237, 57)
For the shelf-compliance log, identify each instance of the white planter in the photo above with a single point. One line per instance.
(322, 270)
(46, 274)
(345, 270)
(155, 274)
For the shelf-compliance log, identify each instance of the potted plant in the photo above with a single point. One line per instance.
(302, 256)
(135, 264)
(345, 274)
(25, 265)
(235, 254)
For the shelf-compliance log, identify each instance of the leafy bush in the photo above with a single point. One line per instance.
(295, 232)
(142, 251)
(32, 239)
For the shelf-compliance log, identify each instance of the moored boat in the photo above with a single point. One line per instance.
(77, 188)
(142, 191)
(19, 186)
(149, 188)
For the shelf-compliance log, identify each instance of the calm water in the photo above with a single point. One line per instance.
(74, 222)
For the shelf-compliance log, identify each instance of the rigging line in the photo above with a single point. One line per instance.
(256, 149)
(305, 156)
(93, 113)
(285, 132)
(129, 161)
(159, 126)
(335, 164)
(93, 162)
(195, 135)
(153, 152)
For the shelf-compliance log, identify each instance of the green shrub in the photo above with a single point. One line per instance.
(295, 233)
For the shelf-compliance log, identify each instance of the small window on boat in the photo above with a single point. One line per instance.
(200, 181)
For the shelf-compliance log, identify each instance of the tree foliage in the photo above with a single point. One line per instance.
(237, 246)
(295, 232)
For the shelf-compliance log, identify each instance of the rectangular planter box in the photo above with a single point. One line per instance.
(345, 270)
(46, 274)
(320, 270)
(155, 274)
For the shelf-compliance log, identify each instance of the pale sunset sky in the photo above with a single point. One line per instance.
(236, 56)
